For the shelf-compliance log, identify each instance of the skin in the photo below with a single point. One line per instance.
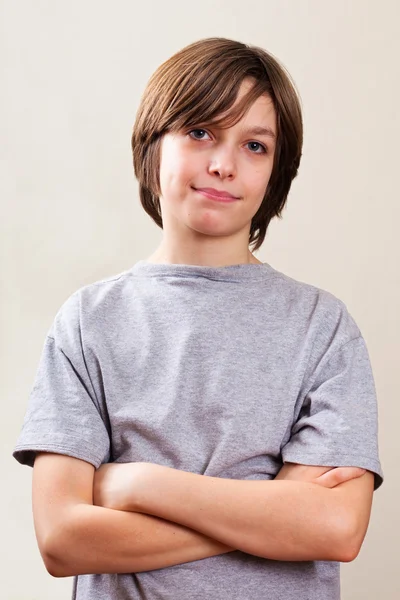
(126, 486)
(254, 516)
(197, 230)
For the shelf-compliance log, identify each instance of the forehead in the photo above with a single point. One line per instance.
(259, 120)
(260, 115)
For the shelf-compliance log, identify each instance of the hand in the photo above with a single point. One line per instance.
(119, 485)
(338, 475)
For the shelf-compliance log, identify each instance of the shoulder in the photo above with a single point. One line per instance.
(322, 312)
(93, 303)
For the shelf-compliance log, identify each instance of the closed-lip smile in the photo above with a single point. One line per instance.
(217, 193)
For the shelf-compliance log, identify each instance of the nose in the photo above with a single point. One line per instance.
(223, 163)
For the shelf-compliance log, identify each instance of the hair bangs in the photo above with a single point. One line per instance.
(234, 114)
(210, 98)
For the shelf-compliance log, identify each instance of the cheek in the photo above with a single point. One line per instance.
(259, 182)
(179, 172)
(174, 161)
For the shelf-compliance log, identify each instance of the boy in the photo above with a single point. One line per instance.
(233, 408)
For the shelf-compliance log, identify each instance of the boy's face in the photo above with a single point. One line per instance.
(229, 160)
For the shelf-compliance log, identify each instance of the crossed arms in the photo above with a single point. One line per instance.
(135, 517)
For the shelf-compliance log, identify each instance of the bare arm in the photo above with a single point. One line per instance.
(75, 537)
(290, 518)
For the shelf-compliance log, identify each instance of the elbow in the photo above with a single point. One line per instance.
(55, 551)
(349, 540)
(52, 561)
(54, 568)
(349, 551)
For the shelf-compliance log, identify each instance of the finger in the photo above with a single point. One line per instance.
(339, 475)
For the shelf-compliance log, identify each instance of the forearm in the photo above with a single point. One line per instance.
(93, 539)
(279, 520)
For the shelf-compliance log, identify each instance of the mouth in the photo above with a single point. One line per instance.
(217, 195)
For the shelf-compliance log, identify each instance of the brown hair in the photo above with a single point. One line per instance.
(197, 84)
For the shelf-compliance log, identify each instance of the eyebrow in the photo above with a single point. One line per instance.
(262, 131)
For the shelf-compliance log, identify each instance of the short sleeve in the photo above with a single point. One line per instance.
(338, 421)
(63, 414)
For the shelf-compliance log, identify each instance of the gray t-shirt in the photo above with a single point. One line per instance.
(222, 371)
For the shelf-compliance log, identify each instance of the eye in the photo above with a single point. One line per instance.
(263, 148)
(194, 134)
(197, 131)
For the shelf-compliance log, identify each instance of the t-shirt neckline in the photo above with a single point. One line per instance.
(245, 271)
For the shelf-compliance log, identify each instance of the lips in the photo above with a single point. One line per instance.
(218, 194)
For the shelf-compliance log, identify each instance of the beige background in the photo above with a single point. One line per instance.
(71, 77)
